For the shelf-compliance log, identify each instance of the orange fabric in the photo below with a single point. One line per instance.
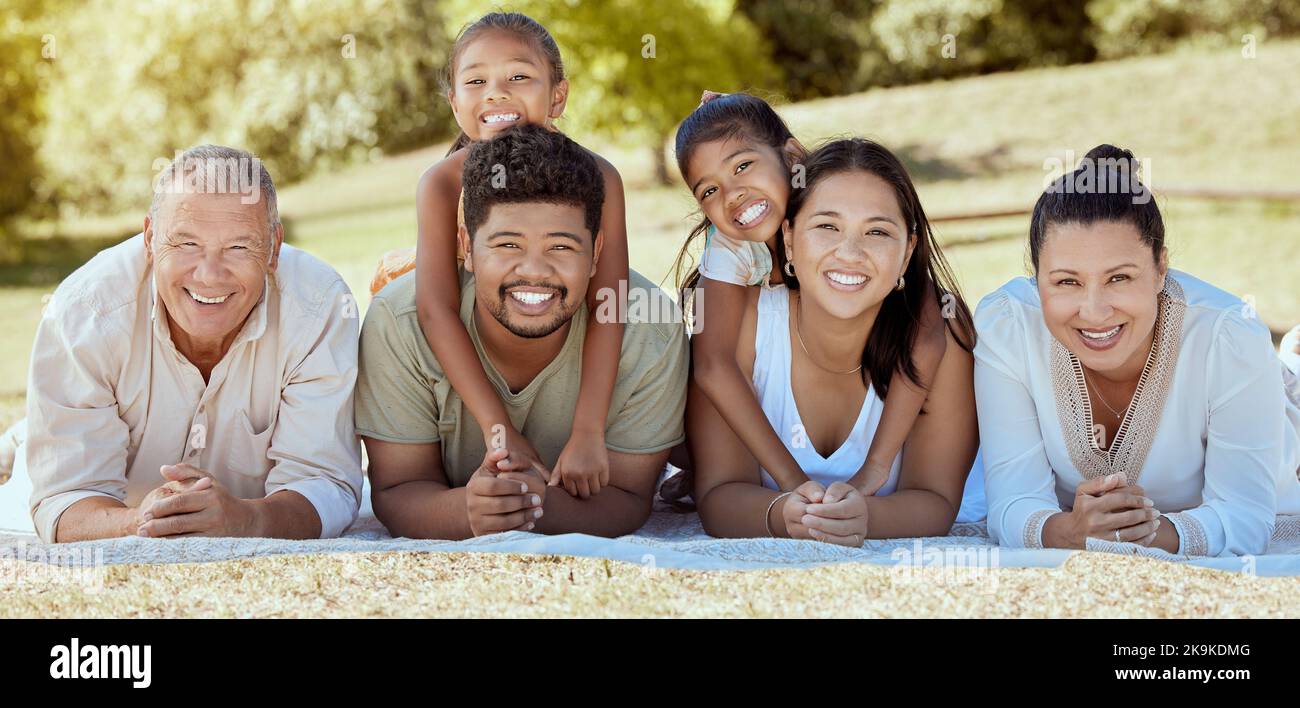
(396, 263)
(401, 261)
(393, 264)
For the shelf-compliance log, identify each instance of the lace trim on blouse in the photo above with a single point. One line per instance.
(1137, 431)
(1192, 540)
(1033, 537)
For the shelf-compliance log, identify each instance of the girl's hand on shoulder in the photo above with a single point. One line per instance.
(583, 467)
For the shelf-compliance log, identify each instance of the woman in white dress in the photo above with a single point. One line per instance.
(1122, 400)
(821, 351)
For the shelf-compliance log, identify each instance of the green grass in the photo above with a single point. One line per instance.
(1202, 118)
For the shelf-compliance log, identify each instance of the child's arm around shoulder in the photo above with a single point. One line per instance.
(716, 352)
(583, 465)
(905, 400)
(437, 303)
(437, 197)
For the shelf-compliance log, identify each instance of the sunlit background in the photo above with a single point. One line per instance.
(341, 99)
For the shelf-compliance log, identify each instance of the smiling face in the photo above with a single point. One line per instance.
(210, 254)
(742, 187)
(1099, 285)
(849, 243)
(532, 263)
(501, 80)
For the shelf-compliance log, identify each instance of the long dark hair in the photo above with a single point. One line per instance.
(1113, 194)
(889, 348)
(733, 115)
(515, 22)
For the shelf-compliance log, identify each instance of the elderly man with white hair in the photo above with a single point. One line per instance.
(197, 379)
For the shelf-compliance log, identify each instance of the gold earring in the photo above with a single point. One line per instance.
(900, 283)
(789, 269)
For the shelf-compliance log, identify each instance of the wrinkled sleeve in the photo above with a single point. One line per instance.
(395, 399)
(1246, 415)
(315, 447)
(651, 420)
(728, 261)
(1018, 478)
(76, 441)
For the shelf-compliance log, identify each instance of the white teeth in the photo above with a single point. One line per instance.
(208, 300)
(752, 213)
(531, 298)
(1101, 335)
(501, 118)
(844, 279)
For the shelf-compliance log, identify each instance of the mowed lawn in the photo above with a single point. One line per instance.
(1202, 119)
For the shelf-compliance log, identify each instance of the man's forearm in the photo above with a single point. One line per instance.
(96, 517)
(613, 512)
(423, 509)
(286, 514)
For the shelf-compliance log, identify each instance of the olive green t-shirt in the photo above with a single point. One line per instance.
(403, 396)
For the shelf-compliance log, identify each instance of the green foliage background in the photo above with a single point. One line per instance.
(93, 93)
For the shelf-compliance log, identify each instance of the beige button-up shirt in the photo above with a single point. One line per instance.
(110, 399)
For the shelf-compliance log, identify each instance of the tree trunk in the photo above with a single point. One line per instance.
(661, 163)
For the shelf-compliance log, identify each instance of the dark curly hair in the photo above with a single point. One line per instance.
(529, 163)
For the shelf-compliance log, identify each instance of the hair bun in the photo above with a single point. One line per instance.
(1106, 151)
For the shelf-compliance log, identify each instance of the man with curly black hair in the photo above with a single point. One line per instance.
(531, 240)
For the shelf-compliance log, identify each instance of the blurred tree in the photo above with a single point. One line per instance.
(301, 84)
(930, 39)
(637, 68)
(819, 44)
(1128, 27)
(829, 47)
(20, 109)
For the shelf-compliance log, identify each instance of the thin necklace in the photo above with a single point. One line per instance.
(798, 322)
(1103, 398)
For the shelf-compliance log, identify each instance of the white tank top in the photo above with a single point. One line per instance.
(776, 396)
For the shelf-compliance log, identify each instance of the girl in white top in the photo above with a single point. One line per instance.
(736, 155)
(774, 387)
(1122, 400)
(822, 350)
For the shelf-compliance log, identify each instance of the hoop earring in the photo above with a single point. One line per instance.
(788, 269)
(900, 283)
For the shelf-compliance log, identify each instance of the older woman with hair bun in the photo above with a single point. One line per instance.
(1122, 400)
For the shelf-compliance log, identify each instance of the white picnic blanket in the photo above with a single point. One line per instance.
(670, 539)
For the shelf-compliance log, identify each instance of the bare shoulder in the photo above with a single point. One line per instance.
(606, 167)
(955, 377)
(608, 171)
(444, 174)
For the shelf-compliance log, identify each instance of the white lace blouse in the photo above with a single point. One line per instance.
(1212, 434)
